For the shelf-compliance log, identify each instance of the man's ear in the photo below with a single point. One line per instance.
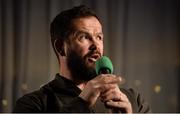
(59, 47)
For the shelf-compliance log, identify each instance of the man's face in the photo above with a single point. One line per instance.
(85, 47)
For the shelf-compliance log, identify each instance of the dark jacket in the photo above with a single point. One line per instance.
(61, 95)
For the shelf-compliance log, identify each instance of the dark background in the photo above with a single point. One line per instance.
(142, 38)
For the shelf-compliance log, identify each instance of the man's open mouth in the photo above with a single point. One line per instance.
(94, 57)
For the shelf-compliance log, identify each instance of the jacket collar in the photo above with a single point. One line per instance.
(63, 85)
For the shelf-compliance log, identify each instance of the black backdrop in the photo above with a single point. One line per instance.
(141, 38)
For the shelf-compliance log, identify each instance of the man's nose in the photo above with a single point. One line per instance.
(93, 47)
(94, 44)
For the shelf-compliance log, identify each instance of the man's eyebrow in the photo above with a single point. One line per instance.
(100, 33)
(86, 32)
(77, 32)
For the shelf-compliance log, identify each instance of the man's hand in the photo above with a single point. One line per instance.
(95, 87)
(116, 100)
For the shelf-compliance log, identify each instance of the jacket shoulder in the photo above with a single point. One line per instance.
(31, 102)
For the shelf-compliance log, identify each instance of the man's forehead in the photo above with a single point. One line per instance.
(87, 22)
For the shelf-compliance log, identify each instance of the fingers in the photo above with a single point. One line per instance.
(103, 82)
(107, 87)
(125, 106)
(107, 82)
(110, 95)
(109, 79)
(98, 85)
(115, 99)
(113, 94)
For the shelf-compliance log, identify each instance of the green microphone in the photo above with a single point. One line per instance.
(104, 66)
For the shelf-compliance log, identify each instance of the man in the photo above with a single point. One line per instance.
(77, 39)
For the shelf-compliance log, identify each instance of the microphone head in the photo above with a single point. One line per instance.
(104, 66)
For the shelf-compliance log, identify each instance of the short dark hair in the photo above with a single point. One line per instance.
(61, 26)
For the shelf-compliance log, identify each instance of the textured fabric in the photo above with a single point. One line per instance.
(61, 95)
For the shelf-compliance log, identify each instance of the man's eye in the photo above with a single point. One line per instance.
(82, 37)
(99, 37)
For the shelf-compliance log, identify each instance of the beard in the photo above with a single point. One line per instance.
(78, 67)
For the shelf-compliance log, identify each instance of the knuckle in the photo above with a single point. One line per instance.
(104, 80)
(92, 82)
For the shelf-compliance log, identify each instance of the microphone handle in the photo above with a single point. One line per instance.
(104, 71)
